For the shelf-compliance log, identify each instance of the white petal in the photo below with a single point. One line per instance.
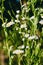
(23, 39)
(17, 21)
(9, 24)
(18, 51)
(32, 37)
(41, 16)
(26, 35)
(17, 16)
(27, 47)
(41, 22)
(23, 18)
(17, 11)
(32, 17)
(23, 25)
(21, 47)
(17, 28)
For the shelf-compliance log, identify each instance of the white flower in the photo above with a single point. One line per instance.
(23, 25)
(17, 21)
(23, 18)
(41, 16)
(23, 39)
(28, 31)
(9, 24)
(21, 47)
(18, 51)
(26, 35)
(27, 47)
(37, 9)
(32, 37)
(17, 28)
(18, 11)
(41, 22)
(32, 17)
(25, 28)
(4, 24)
(19, 32)
(17, 16)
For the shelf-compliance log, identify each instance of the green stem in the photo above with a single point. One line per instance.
(21, 4)
(9, 57)
(18, 59)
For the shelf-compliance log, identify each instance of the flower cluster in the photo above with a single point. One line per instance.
(24, 38)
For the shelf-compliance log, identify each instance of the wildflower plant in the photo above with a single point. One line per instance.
(22, 36)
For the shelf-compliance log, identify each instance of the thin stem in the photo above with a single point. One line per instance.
(18, 59)
(21, 4)
(9, 57)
